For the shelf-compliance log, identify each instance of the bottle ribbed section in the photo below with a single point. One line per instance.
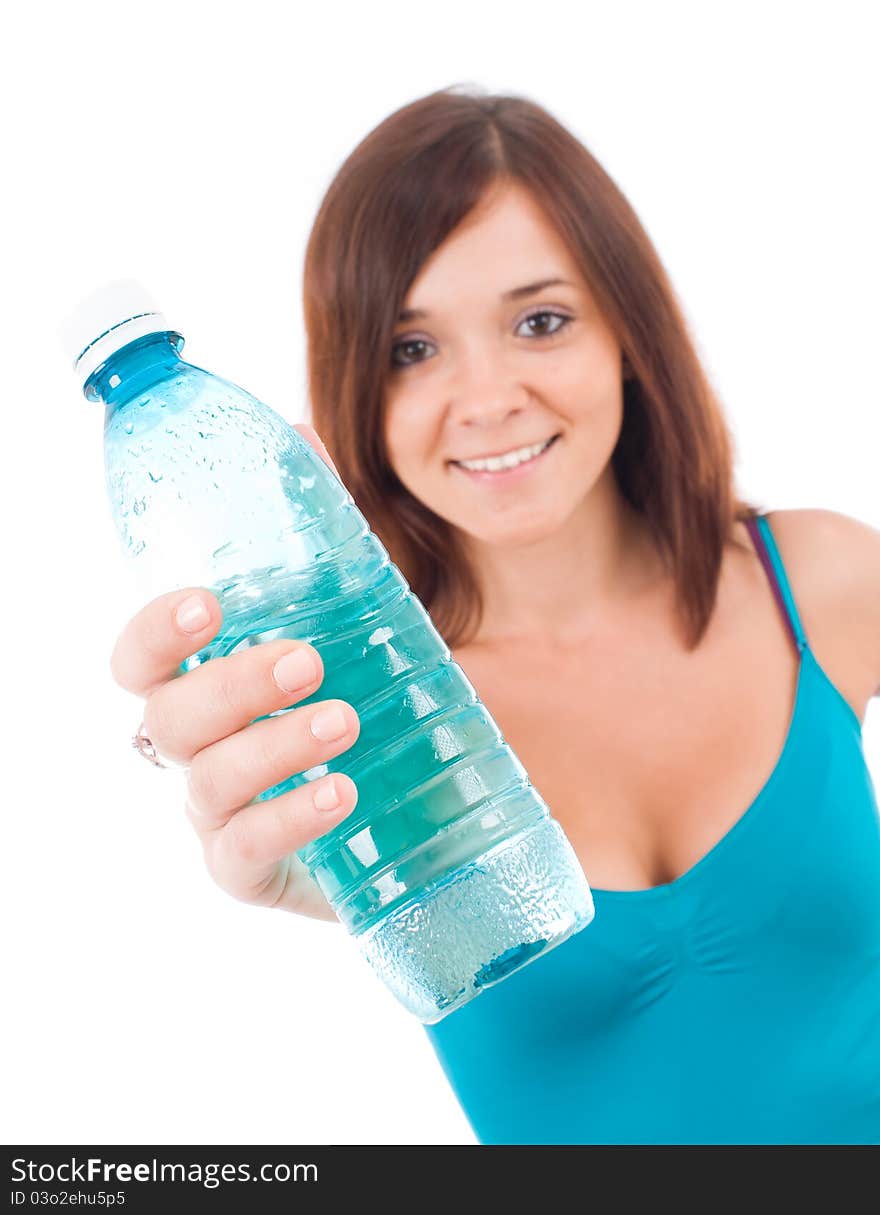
(437, 783)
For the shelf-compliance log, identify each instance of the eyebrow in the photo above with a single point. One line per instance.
(516, 293)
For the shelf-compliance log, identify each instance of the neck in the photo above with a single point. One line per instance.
(565, 587)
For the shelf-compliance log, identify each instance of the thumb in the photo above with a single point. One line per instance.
(308, 432)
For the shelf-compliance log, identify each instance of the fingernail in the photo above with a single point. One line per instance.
(192, 615)
(325, 796)
(329, 724)
(295, 670)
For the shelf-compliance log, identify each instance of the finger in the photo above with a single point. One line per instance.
(230, 773)
(242, 856)
(309, 432)
(222, 696)
(153, 644)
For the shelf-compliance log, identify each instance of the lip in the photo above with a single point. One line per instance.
(507, 476)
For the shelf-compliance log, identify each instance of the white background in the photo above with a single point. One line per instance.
(188, 145)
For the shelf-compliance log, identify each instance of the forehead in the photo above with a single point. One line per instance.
(507, 239)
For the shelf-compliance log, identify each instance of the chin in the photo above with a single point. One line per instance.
(527, 529)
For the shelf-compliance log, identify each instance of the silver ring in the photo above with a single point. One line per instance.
(145, 747)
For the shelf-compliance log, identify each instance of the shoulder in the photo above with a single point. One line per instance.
(833, 564)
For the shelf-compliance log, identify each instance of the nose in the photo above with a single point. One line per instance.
(485, 391)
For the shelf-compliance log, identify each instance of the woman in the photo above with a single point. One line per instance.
(668, 665)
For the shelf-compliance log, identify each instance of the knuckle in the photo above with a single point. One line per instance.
(269, 754)
(280, 752)
(160, 723)
(227, 687)
(202, 788)
(278, 818)
(240, 841)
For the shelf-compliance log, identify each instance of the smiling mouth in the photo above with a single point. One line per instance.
(503, 474)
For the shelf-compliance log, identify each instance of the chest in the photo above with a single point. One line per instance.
(646, 754)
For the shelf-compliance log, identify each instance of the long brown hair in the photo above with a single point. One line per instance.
(396, 198)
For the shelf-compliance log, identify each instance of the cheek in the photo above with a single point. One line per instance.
(409, 453)
(409, 438)
(587, 378)
(594, 409)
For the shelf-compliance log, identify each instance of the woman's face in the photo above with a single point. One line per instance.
(489, 368)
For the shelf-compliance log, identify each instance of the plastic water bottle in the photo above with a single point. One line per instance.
(450, 873)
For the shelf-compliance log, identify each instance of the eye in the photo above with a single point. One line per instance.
(411, 350)
(406, 346)
(543, 315)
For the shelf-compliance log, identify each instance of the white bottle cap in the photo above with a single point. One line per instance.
(105, 321)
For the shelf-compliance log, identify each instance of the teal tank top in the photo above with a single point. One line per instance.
(738, 1004)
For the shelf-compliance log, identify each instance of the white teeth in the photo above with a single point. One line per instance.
(509, 460)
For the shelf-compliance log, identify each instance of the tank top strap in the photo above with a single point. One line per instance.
(762, 538)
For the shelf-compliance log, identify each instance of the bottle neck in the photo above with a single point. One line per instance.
(134, 368)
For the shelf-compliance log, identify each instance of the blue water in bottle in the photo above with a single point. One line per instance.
(450, 874)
